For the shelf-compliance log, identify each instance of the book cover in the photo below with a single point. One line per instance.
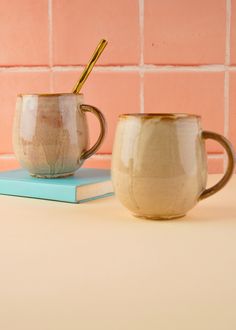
(84, 185)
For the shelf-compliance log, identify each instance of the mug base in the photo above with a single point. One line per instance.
(51, 176)
(168, 217)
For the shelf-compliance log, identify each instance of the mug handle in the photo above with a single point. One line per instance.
(230, 167)
(89, 108)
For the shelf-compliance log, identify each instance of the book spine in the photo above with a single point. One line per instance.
(38, 190)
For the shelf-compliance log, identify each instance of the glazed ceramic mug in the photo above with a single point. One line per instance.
(50, 134)
(159, 164)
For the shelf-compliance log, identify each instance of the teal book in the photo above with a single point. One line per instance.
(86, 184)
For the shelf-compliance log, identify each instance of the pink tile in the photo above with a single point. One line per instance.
(98, 163)
(112, 92)
(201, 93)
(232, 105)
(7, 164)
(233, 32)
(10, 163)
(11, 84)
(215, 165)
(24, 32)
(79, 25)
(185, 31)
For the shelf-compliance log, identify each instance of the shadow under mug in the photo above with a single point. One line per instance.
(50, 133)
(159, 164)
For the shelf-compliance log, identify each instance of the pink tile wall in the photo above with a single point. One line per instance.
(184, 32)
(162, 56)
(79, 24)
(24, 32)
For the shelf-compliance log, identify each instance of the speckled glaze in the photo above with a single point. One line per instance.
(50, 135)
(159, 165)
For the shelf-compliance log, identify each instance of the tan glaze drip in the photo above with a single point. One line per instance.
(50, 135)
(159, 164)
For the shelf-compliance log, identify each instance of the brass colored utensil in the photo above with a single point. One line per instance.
(98, 51)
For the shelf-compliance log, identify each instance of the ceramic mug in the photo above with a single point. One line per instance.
(50, 134)
(159, 164)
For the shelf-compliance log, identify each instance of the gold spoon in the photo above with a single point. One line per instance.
(98, 51)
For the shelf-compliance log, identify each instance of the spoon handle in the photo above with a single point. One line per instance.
(90, 66)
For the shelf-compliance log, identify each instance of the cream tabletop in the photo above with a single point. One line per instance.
(94, 266)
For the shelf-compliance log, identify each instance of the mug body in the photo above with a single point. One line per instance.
(50, 133)
(159, 166)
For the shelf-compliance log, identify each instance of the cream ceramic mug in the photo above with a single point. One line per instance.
(159, 164)
(50, 134)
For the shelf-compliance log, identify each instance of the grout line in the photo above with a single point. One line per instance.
(215, 156)
(125, 68)
(7, 156)
(228, 27)
(152, 68)
(141, 72)
(159, 68)
(50, 48)
(25, 69)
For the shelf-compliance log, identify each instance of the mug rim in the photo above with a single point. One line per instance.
(170, 115)
(49, 94)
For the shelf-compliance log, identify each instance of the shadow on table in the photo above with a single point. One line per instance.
(199, 214)
(214, 213)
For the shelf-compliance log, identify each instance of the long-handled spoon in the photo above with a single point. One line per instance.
(98, 51)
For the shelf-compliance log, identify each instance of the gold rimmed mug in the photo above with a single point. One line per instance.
(50, 134)
(159, 164)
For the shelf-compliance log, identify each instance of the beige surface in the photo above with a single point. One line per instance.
(94, 266)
